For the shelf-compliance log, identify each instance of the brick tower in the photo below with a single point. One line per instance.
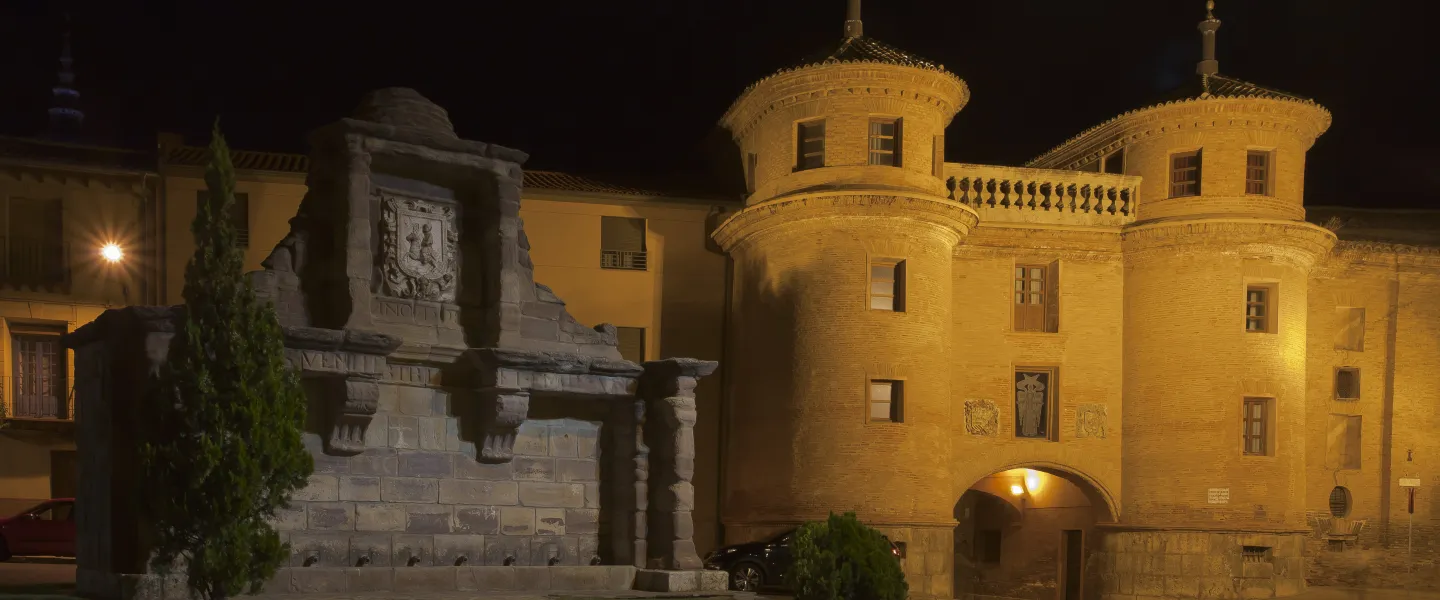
(842, 301)
(1216, 275)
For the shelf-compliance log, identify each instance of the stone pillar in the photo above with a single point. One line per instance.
(668, 389)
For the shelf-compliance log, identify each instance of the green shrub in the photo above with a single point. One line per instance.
(842, 559)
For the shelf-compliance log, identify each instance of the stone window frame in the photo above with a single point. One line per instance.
(900, 283)
(1049, 317)
(1052, 400)
(896, 154)
(1267, 425)
(1270, 319)
(1266, 183)
(798, 142)
(897, 399)
(1180, 189)
(1354, 384)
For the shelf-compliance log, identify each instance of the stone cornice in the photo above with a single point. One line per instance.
(1295, 241)
(989, 237)
(761, 217)
(1387, 255)
(1306, 121)
(940, 89)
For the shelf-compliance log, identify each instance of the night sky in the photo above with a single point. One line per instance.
(633, 88)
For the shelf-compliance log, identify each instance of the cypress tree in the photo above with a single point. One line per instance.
(221, 447)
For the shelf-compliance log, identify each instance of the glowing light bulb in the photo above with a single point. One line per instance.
(1017, 490)
(112, 252)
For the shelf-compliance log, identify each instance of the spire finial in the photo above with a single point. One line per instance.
(853, 26)
(1208, 65)
(65, 114)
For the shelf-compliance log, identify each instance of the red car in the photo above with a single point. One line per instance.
(46, 530)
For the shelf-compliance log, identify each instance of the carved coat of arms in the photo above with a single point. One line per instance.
(418, 246)
(981, 417)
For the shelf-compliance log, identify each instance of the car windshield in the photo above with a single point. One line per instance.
(783, 538)
(50, 511)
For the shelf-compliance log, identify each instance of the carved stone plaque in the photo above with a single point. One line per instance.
(981, 417)
(418, 248)
(1090, 421)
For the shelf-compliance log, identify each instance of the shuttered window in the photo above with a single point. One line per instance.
(1185, 174)
(810, 145)
(1256, 426)
(1260, 309)
(632, 343)
(1351, 335)
(38, 373)
(34, 247)
(885, 142)
(1257, 173)
(239, 215)
(887, 285)
(1036, 297)
(622, 243)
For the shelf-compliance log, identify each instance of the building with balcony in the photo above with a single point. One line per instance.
(1137, 366)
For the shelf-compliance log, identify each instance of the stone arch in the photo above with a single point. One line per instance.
(1106, 503)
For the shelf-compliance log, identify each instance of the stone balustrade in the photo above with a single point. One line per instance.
(1069, 196)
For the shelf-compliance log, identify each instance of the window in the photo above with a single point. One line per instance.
(622, 243)
(1347, 383)
(1185, 174)
(1339, 502)
(1115, 162)
(1259, 309)
(987, 546)
(1257, 172)
(1035, 402)
(1351, 335)
(1343, 442)
(239, 215)
(1257, 426)
(632, 343)
(1037, 297)
(887, 285)
(937, 168)
(34, 247)
(885, 142)
(887, 400)
(38, 370)
(810, 145)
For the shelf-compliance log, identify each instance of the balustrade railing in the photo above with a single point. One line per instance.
(1043, 190)
(34, 262)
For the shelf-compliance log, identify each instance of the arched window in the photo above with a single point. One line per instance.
(1339, 502)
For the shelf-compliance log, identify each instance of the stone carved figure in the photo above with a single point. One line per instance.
(421, 265)
(1090, 421)
(981, 417)
(1030, 405)
(289, 255)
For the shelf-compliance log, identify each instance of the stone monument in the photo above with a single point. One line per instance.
(468, 433)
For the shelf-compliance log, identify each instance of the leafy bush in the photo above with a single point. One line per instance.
(842, 559)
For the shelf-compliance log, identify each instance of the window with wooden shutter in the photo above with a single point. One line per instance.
(1347, 383)
(885, 141)
(622, 243)
(1343, 442)
(34, 247)
(887, 284)
(886, 400)
(1036, 297)
(1185, 174)
(810, 145)
(1256, 422)
(1260, 308)
(37, 373)
(1257, 172)
(632, 343)
(1351, 335)
(239, 215)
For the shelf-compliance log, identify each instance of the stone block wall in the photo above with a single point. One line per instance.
(417, 496)
(1198, 564)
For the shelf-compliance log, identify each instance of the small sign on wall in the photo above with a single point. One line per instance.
(1218, 495)
(1409, 482)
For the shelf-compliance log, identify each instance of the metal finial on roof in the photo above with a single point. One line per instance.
(1209, 9)
(853, 26)
(1208, 65)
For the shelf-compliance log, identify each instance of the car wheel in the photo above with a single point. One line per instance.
(746, 577)
(4, 550)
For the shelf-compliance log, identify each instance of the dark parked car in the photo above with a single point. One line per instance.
(756, 565)
(46, 530)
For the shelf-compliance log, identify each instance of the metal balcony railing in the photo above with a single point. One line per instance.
(35, 263)
(46, 402)
(633, 260)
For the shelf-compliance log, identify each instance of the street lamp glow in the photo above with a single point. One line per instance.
(1017, 490)
(112, 252)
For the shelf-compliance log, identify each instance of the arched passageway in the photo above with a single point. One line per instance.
(1026, 533)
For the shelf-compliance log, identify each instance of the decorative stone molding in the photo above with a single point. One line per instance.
(981, 417)
(351, 364)
(941, 89)
(1090, 421)
(668, 389)
(1302, 244)
(957, 219)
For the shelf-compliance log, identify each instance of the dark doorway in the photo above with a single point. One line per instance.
(1072, 550)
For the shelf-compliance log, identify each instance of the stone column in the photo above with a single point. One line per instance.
(668, 389)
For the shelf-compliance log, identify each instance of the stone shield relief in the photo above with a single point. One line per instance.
(418, 248)
(981, 417)
(1090, 421)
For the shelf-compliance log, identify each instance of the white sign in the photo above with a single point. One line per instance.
(1409, 482)
(1218, 495)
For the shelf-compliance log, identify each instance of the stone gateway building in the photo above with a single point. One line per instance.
(1136, 367)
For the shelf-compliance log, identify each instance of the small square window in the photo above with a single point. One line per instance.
(1257, 173)
(887, 285)
(886, 400)
(1347, 383)
(1185, 174)
(1260, 309)
(810, 145)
